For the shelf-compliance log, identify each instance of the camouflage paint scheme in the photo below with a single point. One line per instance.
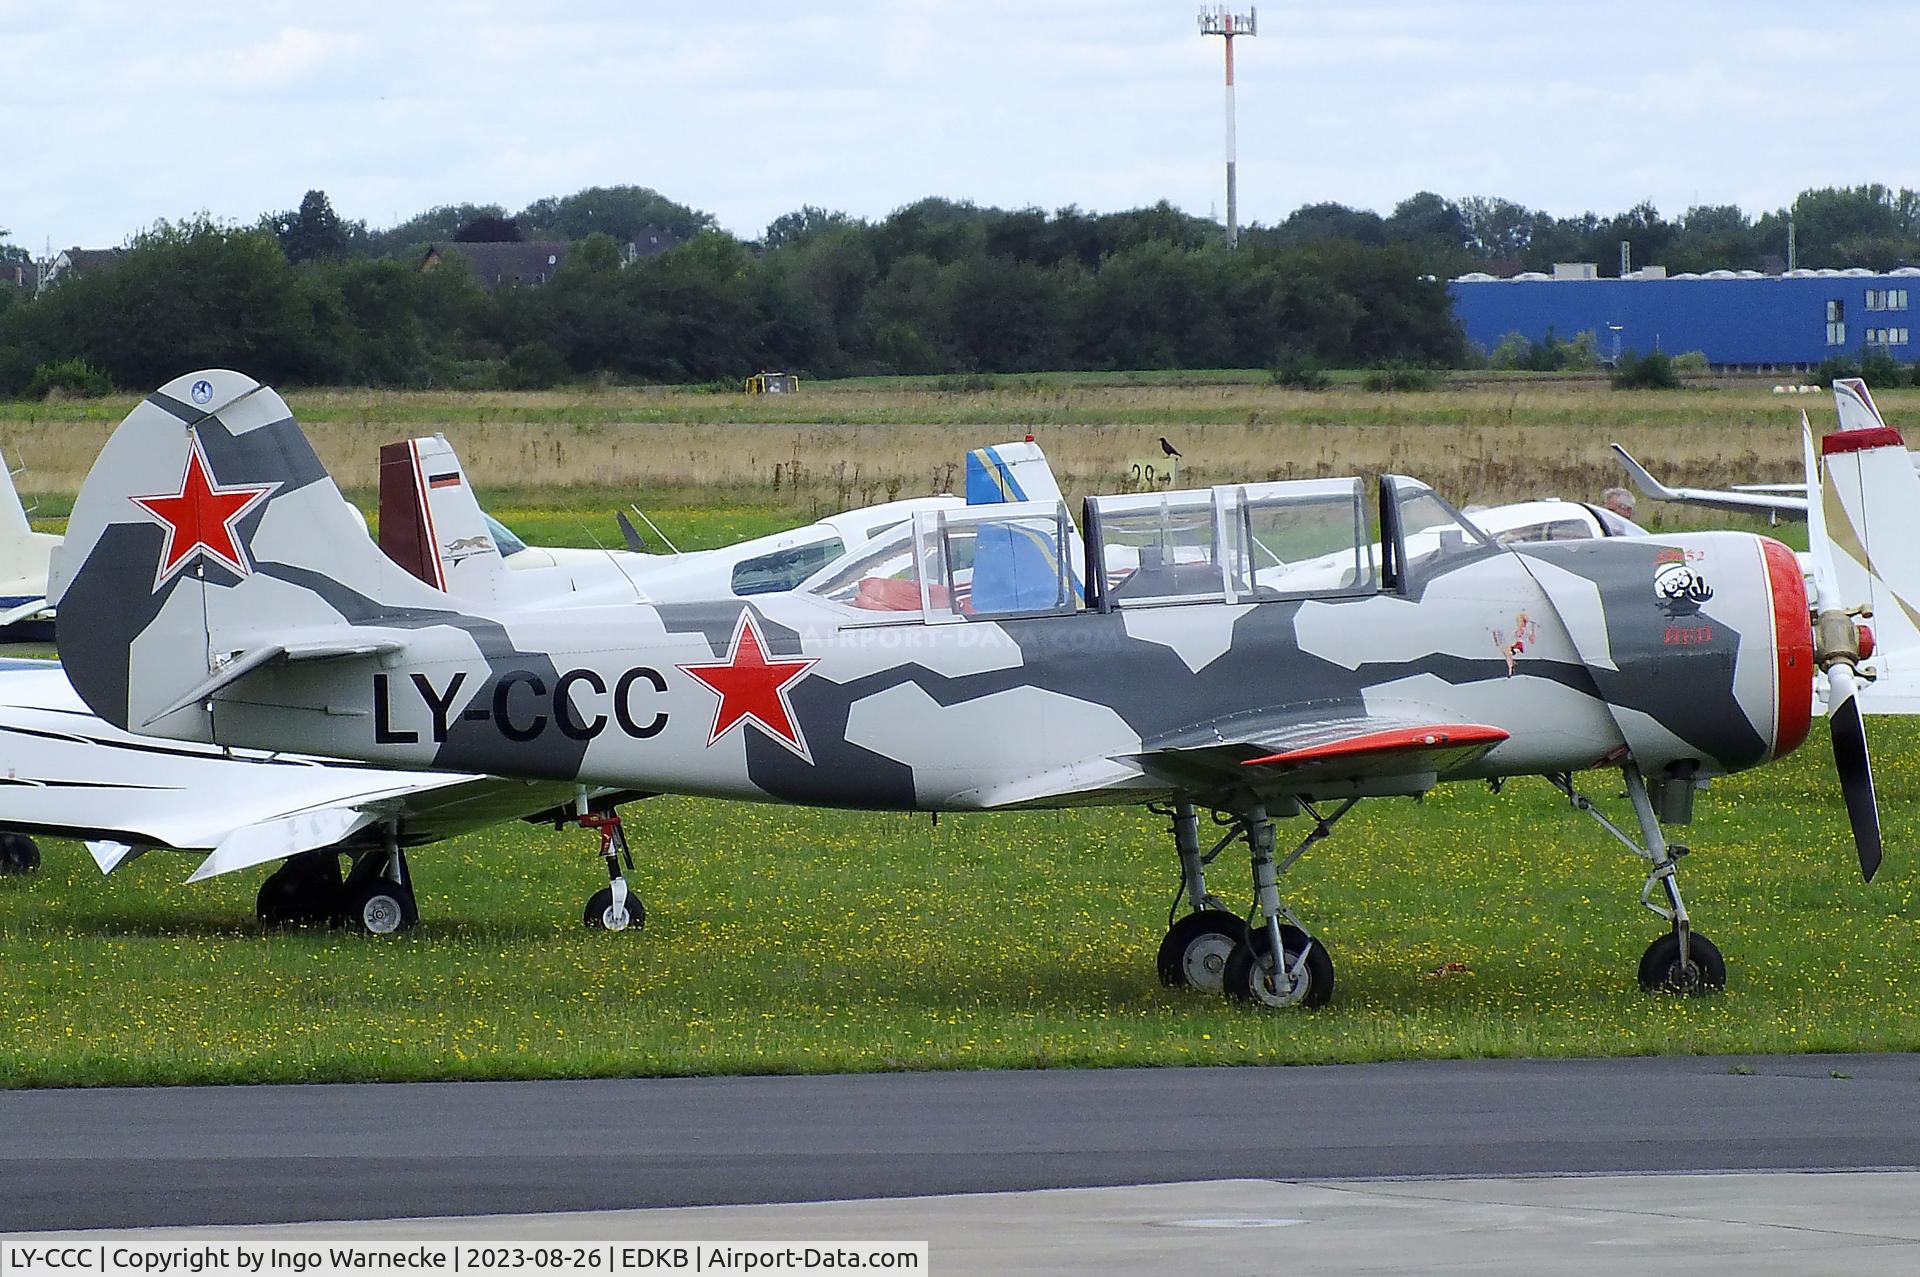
(284, 627)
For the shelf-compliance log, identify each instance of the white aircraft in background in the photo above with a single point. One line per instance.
(24, 553)
(66, 772)
(1869, 487)
(432, 525)
(1855, 406)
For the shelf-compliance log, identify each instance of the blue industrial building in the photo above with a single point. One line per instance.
(1740, 319)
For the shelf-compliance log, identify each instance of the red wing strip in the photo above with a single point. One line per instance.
(1398, 739)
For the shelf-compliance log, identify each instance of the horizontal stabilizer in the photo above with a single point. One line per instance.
(277, 654)
(278, 839)
(32, 609)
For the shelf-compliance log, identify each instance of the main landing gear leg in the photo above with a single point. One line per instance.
(379, 890)
(614, 907)
(1279, 964)
(1194, 953)
(1683, 960)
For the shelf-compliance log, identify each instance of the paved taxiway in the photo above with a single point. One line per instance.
(201, 1155)
(1798, 1223)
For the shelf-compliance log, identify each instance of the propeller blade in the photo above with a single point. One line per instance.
(1856, 773)
(1843, 702)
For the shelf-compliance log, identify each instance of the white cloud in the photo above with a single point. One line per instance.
(757, 108)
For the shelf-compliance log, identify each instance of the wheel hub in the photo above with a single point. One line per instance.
(1206, 962)
(381, 915)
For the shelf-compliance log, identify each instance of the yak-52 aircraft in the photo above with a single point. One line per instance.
(1242, 649)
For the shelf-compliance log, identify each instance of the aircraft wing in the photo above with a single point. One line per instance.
(1339, 755)
(29, 610)
(1745, 501)
(68, 773)
(1362, 752)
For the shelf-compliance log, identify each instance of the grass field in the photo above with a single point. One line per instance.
(797, 940)
(794, 940)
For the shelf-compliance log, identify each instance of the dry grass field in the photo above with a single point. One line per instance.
(839, 444)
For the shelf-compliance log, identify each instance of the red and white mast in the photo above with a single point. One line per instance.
(1221, 21)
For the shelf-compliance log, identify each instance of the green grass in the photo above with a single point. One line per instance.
(792, 940)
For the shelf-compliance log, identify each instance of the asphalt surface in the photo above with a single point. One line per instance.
(115, 1158)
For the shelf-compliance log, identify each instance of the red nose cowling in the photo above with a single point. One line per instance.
(1792, 648)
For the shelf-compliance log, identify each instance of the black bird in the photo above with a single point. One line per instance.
(1168, 448)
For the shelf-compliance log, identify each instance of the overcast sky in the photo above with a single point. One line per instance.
(121, 113)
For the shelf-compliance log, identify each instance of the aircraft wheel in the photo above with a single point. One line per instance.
(1194, 954)
(304, 890)
(1661, 972)
(599, 912)
(19, 854)
(1247, 978)
(381, 908)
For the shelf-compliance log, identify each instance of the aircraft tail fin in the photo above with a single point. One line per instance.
(1854, 404)
(1019, 472)
(1871, 497)
(431, 523)
(208, 538)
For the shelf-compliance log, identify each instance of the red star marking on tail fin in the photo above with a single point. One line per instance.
(753, 688)
(200, 517)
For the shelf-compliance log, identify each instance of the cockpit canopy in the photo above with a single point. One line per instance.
(1236, 543)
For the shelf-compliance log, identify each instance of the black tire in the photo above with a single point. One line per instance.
(1660, 970)
(1247, 977)
(377, 907)
(19, 855)
(304, 891)
(595, 915)
(1194, 954)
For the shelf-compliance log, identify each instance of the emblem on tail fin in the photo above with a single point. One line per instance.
(199, 519)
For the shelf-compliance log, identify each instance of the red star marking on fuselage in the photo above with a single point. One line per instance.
(199, 518)
(753, 688)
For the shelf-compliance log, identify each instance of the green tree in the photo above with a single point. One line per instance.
(623, 212)
(790, 230)
(313, 231)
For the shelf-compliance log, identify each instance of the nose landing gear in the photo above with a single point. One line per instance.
(1683, 961)
(614, 907)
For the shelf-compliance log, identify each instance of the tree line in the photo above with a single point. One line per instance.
(939, 286)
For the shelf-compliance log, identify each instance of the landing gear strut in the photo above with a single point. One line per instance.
(1682, 961)
(614, 907)
(1214, 949)
(1280, 965)
(1194, 953)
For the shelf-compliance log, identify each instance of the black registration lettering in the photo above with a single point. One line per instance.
(623, 703)
(438, 704)
(571, 727)
(502, 694)
(383, 732)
